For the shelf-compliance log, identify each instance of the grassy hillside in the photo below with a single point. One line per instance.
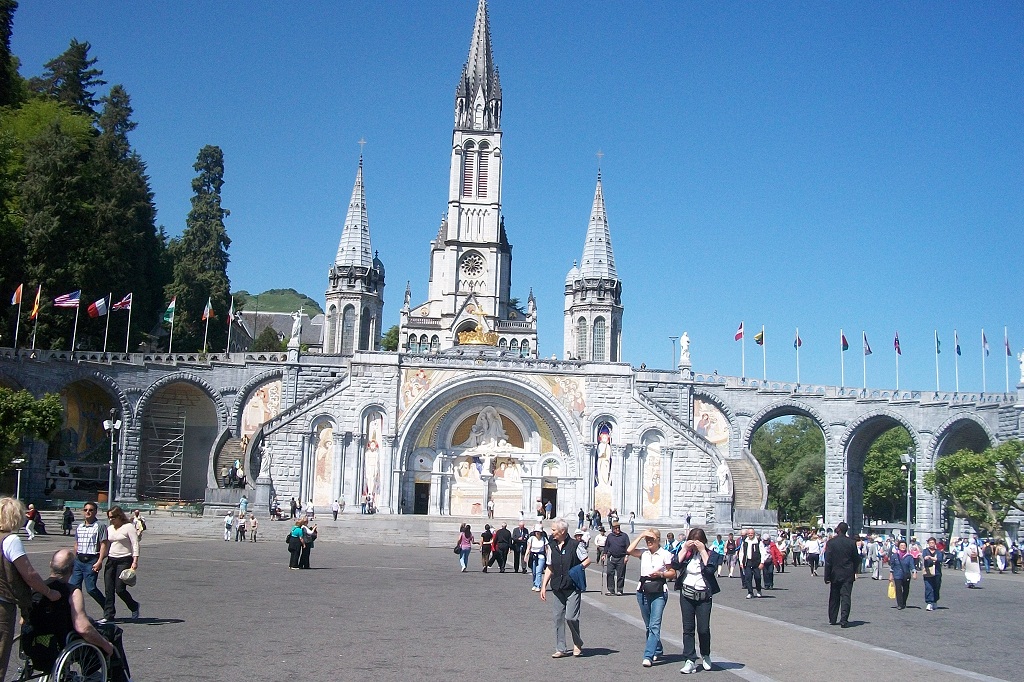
(277, 301)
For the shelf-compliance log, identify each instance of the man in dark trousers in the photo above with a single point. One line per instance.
(616, 547)
(520, 536)
(502, 544)
(841, 562)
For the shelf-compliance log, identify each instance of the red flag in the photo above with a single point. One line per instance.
(99, 308)
(16, 299)
(35, 307)
(739, 333)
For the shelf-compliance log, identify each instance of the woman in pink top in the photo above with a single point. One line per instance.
(123, 553)
(465, 545)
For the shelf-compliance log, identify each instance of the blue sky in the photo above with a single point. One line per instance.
(811, 165)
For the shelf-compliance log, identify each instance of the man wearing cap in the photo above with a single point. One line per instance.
(616, 546)
(520, 536)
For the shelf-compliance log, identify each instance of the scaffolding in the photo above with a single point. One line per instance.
(163, 447)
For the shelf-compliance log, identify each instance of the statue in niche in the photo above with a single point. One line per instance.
(296, 327)
(487, 432)
(684, 350)
(723, 478)
(371, 464)
(604, 459)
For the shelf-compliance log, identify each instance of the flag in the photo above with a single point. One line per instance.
(896, 344)
(231, 311)
(739, 333)
(984, 343)
(842, 340)
(35, 306)
(956, 342)
(797, 342)
(68, 300)
(208, 310)
(867, 347)
(1006, 342)
(759, 338)
(124, 304)
(938, 344)
(16, 299)
(99, 308)
(169, 313)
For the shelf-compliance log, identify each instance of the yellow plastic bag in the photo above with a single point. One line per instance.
(892, 590)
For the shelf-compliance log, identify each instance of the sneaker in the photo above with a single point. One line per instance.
(930, 607)
(577, 651)
(609, 594)
(103, 621)
(619, 593)
(749, 595)
(135, 613)
(647, 663)
(535, 589)
(758, 595)
(705, 662)
(688, 667)
(560, 654)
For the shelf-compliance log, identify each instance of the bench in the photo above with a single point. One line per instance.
(128, 507)
(190, 509)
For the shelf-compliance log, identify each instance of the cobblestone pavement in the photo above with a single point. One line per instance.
(226, 611)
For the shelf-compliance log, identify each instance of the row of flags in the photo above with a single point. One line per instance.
(844, 345)
(105, 305)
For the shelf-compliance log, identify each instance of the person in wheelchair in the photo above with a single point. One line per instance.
(51, 627)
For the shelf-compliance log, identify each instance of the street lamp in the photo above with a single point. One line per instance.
(111, 426)
(908, 466)
(18, 463)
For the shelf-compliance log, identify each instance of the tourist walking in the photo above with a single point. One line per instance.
(632, 522)
(842, 563)
(520, 538)
(616, 553)
(335, 508)
(139, 523)
(295, 539)
(31, 516)
(229, 523)
(67, 521)
(16, 577)
(932, 559)
(486, 545)
(91, 548)
(751, 563)
(972, 566)
(565, 560)
(293, 507)
(697, 583)
(502, 545)
(652, 589)
(243, 505)
(253, 526)
(122, 553)
(536, 548)
(901, 570)
(465, 546)
(309, 536)
(731, 553)
(812, 549)
(240, 528)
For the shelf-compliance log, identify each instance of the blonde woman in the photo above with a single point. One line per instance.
(123, 553)
(16, 576)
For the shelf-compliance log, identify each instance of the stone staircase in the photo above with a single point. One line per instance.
(747, 486)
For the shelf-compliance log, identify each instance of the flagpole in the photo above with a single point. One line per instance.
(842, 360)
(864, 355)
(74, 332)
(956, 360)
(1006, 357)
(231, 317)
(17, 323)
(897, 370)
(984, 341)
(128, 329)
(764, 355)
(743, 351)
(206, 333)
(796, 343)
(170, 342)
(106, 332)
(937, 389)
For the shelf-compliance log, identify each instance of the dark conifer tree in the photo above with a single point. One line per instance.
(71, 78)
(200, 259)
(10, 89)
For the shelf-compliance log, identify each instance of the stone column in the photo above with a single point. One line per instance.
(394, 482)
(338, 479)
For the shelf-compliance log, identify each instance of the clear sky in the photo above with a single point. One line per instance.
(812, 165)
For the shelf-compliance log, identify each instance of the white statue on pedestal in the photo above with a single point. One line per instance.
(684, 350)
(723, 478)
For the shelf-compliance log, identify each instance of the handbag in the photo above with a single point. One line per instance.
(652, 587)
(892, 590)
(693, 594)
(458, 548)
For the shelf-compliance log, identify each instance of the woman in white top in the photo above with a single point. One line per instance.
(696, 563)
(652, 590)
(812, 547)
(123, 553)
(535, 549)
(16, 576)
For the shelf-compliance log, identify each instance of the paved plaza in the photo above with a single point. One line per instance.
(214, 610)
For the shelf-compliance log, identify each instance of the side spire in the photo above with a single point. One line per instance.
(598, 259)
(478, 94)
(354, 248)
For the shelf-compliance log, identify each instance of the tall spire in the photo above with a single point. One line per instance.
(598, 259)
(478, 95)
(354, 248)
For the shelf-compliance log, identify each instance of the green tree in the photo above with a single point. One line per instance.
(390, 340)
(71, 78)
(982, 487)
(22, 416)
(792, 456)
(885, 486)
(200, 258)
(10, 81)
(268, 342)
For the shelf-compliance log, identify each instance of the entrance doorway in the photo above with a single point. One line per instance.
(549, 492)
(421, 499)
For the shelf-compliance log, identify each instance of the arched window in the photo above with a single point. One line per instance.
(435, 343)
(599, 340)
(413, 344)
(481, 180)
(364, 330)
(468, 164)
(348, 330)
(332, 329)
(503, 344)
(514, 346)
(424, 344)
(581, 339)
(524, 349)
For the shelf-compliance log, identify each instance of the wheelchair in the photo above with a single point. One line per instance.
(76, 660)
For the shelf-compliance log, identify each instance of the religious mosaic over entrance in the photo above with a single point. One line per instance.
(709, 422)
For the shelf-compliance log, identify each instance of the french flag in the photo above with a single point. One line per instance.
(99, 308)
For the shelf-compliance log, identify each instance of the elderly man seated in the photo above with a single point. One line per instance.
(49, 623)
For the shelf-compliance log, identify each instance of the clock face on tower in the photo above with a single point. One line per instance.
(472, 264)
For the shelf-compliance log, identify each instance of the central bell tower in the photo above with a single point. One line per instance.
(471, 258)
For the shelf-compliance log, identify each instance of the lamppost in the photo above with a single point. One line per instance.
(111, 426)
(673, 363)
(18, 464)
(908, 466)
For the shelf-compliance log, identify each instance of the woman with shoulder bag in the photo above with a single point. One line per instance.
(309, 535)
(695, 567)
(652, 590)
(465, 546)
(295, 543)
